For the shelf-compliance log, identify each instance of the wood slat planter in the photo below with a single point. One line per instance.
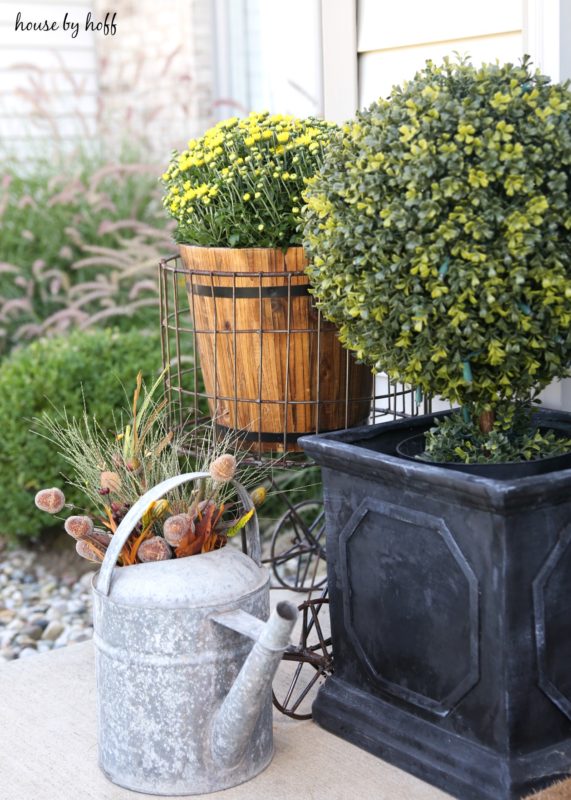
(272, 367)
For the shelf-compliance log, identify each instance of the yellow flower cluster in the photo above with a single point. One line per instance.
(240, 184)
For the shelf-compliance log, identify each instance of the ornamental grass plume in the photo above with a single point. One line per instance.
(240, 184)
(80, 245)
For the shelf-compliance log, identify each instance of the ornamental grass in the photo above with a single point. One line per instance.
(240, 185)
(79, 246)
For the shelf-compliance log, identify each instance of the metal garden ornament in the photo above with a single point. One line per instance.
(185, 663)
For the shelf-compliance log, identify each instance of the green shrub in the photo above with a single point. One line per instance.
(439, 235)
(513, 438)
(48, 376)
(79, 245)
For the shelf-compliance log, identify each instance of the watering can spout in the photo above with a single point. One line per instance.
(239, 713)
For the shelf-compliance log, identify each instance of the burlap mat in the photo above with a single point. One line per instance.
(559, 791)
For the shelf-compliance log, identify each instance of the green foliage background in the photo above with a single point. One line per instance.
(49, 376)
(80, 240)
(439, 233)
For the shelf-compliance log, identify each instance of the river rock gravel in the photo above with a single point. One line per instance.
(39, 610)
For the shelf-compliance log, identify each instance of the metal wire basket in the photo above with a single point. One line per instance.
(191, 402)
(295, 549)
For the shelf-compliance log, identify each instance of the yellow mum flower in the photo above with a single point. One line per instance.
(233, 154)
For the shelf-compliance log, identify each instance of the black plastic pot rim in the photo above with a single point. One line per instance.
(497, 470)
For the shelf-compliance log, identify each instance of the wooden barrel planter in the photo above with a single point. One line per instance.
(272, 367)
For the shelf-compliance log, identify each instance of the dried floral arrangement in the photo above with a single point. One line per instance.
(114, 471)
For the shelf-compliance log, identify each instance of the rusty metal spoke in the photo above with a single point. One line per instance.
(314, 660)
(305, 692)
(296, 553)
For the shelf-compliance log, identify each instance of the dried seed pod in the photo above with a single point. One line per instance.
(177, 527)
(154, 549)
(90, 550)
(101, 537)
(223, 468)
(50, 500)
(258, 496)
(110, 481)
(79, 527)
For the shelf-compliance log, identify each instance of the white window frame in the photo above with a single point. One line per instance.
(547, 36)
(340, 59)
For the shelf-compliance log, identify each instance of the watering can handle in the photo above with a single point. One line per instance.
(135, 514)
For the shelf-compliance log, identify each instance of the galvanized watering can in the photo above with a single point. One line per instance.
(184, 695)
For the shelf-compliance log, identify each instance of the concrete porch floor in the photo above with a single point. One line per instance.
(48, 746)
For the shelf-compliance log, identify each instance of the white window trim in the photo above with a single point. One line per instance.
(547, 36)
(340, 59)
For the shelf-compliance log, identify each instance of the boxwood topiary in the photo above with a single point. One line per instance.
(439, 235)
(56, 374)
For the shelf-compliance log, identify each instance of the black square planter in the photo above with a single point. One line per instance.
(450, 599)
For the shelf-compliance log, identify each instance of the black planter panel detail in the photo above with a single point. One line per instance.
(407, 646)
(553, 623)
